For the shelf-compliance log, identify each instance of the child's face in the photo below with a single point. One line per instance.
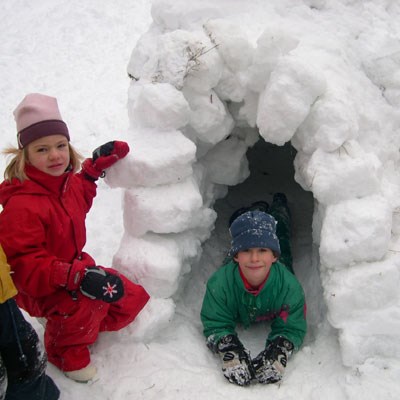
(49, 154)
(255, 264)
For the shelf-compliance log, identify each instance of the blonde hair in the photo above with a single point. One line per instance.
(16, 167)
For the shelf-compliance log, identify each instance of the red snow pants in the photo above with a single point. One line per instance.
(73, 325)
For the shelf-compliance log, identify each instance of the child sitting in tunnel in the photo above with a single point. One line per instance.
(253, 286)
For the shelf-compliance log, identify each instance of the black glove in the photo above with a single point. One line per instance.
(236, 362)
(101, 285)
(269, 366)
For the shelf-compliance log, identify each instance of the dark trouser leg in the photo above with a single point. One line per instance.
(41, 388)
(23, 357)
(3, 380)
(280, 211)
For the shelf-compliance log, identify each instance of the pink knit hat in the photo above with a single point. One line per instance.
(37, 116)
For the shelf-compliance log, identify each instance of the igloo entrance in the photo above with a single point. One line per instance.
(271, 170)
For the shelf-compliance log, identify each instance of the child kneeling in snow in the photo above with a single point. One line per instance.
(42, 231)
(253, 287)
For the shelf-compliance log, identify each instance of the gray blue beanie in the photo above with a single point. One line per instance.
(254, 229)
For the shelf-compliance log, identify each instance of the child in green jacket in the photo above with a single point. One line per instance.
(253, 287)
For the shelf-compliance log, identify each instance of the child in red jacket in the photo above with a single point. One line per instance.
(42, 229)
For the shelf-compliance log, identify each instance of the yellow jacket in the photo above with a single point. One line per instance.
(7, 288)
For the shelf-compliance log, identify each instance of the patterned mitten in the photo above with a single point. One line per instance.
(101, 285)
(269, 366)
(235, 360)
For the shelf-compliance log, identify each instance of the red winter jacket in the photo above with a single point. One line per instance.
(42, 231)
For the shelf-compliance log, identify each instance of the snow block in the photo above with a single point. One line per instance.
(156, 158)
(331, 122)
(365, 286)
(157, 105)
(232, 86)
(286, 101)
(165, 209)
(183, 58)
(157, 261)
(274, 43)
(347, 173)
(151, 321)
(384, 72)
(355, 231)
(358, 342)
(232, 43)
(225, 170)
(209, 117)
(142, 55)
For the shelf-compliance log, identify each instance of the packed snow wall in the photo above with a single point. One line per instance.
(209, 80)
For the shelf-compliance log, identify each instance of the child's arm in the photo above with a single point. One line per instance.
(217, 319)
(219, 329)
(287, 333)
(291, 322)
(93, 168)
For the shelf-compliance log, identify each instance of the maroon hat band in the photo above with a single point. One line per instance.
(42, 129)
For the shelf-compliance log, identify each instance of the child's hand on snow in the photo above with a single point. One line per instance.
(235, 360)
(269, 366)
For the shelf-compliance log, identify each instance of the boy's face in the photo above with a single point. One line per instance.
(255, 264)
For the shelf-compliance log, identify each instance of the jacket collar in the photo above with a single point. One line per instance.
(52, 184)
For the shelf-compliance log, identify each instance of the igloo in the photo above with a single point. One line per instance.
(225, 107)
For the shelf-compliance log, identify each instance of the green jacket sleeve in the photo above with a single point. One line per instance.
(216, 315)
(291, 321)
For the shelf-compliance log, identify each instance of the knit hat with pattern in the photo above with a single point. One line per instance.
(254, 229)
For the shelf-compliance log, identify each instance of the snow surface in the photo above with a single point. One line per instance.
(322, 74)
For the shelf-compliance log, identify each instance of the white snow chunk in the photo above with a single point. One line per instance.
(232, 43)
(286, 101)
(274, 43)
(209, 117)
(182, 58)
(358, 342)
(371, 286)
(156, 316)
(331, 122)
(157, 105)
(165, 209)
(157, 261)
(226, 163)
(347, 173)
(232, 86)
(355, 230)
(142, 54)
(155, 158)
(384, 71)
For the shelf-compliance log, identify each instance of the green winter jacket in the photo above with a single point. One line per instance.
(227, 303)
